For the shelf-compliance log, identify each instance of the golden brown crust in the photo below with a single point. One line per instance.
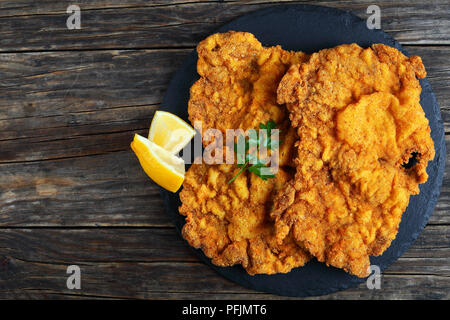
(238, 82)
(230, 222)
(358, 119)
(237, 90)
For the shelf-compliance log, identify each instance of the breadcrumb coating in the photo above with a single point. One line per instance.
(237, 90)
(359, 121)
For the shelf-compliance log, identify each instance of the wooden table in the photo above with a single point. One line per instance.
(73, 193)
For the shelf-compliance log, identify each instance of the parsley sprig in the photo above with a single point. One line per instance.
(249, 159)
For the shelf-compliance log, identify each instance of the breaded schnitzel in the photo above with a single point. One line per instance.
(237, 90)
(230, 222)
(359, 121)
(238, 82)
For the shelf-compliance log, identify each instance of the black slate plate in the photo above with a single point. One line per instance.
(308, 29)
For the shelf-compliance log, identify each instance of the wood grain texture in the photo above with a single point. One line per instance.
(158, 263)
(72, 192)
(92, 100)
(111, 24)
(103, 190)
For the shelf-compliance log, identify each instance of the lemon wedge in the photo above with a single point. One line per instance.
(160, 165)
(170, 132)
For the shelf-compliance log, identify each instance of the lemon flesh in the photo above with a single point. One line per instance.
(166, 169)
(170, 132)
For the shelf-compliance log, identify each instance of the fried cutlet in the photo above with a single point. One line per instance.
(238, 83)
(230, 222)
(237, 90)
(359, 123)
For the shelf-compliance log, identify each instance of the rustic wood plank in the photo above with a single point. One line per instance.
(434, 291)
(104, 245)
(159, 264)
(54, 83)
(26, 7)
(440, 214)
(90, 103)
(107, 24)
(197, 281)
(148, 245)
(102, 190)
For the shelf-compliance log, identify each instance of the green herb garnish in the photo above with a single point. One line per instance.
(249, 160)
